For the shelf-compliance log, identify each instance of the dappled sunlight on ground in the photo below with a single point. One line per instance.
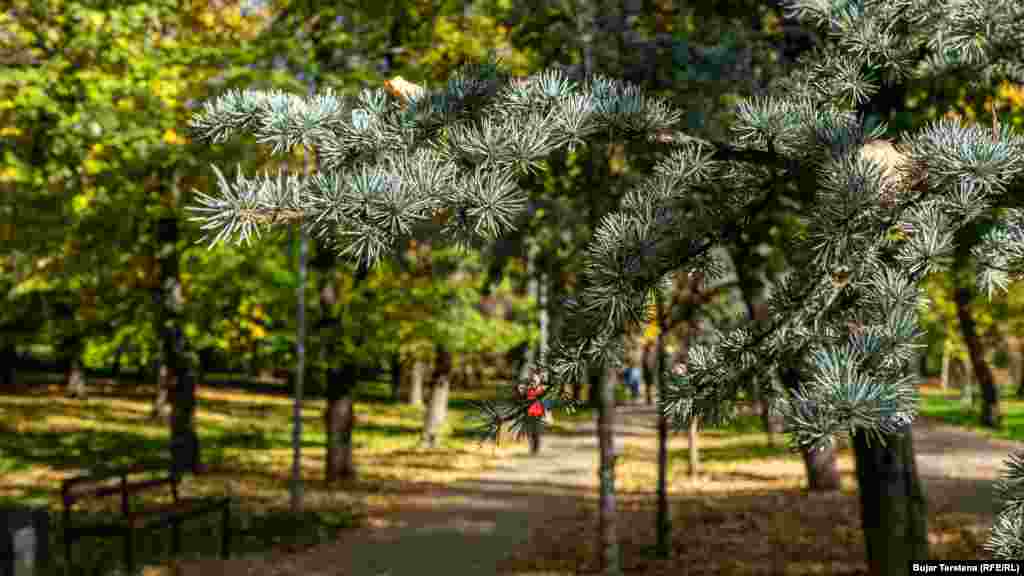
(746, 512)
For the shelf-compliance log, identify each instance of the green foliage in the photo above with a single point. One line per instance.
(92, 95)
(447, 161)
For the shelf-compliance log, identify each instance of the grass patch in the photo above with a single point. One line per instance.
(245, 439)
(945, 406)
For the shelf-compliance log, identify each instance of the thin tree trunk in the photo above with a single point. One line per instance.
(965, 377)
(663, 522)
(692, 449)
(990, 414)
(161, 409)
(608, 542)
(339, 421)
(115, 370)
(8, 360)
(649, 367)
(893, 509)
(179, 384)
(437, 408)
(339, 415)
(396, 376)
(418, 371)
(296, 493)
(683, 357)
(946, 365)
(1018, 351)
(74, 377)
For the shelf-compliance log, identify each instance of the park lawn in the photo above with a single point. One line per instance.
(944, 406)
(46, 437)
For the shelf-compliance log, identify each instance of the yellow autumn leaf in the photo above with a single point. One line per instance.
(92, 166)
(126, 104)
(258, 332)
(79, 203)
(208, 19)
(96, 19)
(171, 137)
(9, 174)
(10, 131)
(97, 148)
(233, 19)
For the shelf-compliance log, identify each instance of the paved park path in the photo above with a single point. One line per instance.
(465, 529)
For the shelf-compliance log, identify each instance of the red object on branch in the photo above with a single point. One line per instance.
(536, 410)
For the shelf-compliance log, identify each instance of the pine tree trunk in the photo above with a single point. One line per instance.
(822, 470)
(594, 389)
(608, 542)
(577, 390)
(821, 465)
(437, 408)
(990, 414)
(893, 510)
(339, 421)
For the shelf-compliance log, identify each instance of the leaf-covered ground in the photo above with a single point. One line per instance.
(470, 509)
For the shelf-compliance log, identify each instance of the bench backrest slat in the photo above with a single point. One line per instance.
(98, 485)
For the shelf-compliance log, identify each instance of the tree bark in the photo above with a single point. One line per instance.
(822, 470)
(396, 376)
(1018, 352)
(947, 358)
(339, 421)
(893, 510)
(437, 408)
(990, 414)
(692, 449)
(8, 360)
(74, 378)
(663, 522)
(115, 369)
(608, 542)
(649, 369)
(965, 377)
(180, 384)
(161, 410)
(417, 372)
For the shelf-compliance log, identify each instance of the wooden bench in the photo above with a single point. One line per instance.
(126, 482)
